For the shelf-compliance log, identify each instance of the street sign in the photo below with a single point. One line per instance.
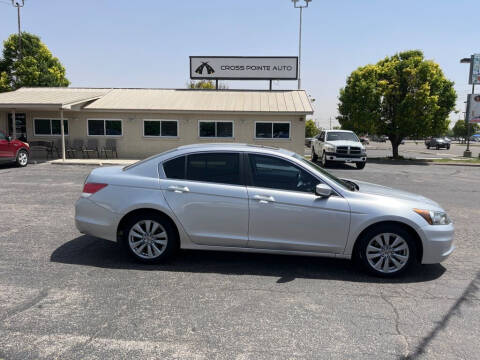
(474, 108)
(244, 67)
(475, 69)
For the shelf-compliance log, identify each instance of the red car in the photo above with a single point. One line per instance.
(13, 150)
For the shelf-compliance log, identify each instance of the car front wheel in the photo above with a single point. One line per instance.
(314, 155)
(22, 158)
(360, 165)
(150, 238)
(325, 162)
(386, 250)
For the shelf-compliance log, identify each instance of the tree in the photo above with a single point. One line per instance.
(400, 96)
(460, 130)
(311, 129)
(205, 84)
(37, 67)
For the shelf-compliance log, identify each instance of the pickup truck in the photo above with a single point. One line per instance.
(341, 146)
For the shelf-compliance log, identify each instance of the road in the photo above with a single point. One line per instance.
(69, 296)
(417, 150)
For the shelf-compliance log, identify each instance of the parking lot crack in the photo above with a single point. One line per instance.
(25, 305)
(397, 323)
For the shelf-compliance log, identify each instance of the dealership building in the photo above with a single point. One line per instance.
(149, 121)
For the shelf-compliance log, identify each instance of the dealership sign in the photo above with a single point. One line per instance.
(475, 69)
(244, 68)
(474, 108)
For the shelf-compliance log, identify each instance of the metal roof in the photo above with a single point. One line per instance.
(169, 100)
(161, 100)
(52, 97)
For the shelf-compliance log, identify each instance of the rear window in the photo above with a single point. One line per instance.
(214, 167)
(175, 168)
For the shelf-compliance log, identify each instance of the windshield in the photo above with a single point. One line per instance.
(340, 135)
(315, 167)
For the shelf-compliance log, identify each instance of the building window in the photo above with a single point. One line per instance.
(48, 127)
(102, 127)
(272, 130)
(163, 128)
(220, 129)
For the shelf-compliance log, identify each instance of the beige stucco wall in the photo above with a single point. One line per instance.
(132, 144)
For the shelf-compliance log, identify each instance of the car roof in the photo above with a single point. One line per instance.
(233, 147)
(349, 131)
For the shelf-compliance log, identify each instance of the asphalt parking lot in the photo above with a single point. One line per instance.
(70, 296)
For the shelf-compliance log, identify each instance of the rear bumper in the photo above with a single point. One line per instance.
(95, 220)
(437, 243)
(330, 156)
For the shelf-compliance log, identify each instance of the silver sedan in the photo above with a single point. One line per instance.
(234, 197)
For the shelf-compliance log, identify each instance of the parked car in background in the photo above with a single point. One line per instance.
(234, 197)
(437, 143)
(364, 140)
(13, 150)
(308, 142)
(341, 146)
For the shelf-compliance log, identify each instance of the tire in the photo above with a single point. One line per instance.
(360, 165)
(448, 147)
(314, 155)
(145, 234)
(22, 158)
(428, 147)
(325, 162)
(376, 264)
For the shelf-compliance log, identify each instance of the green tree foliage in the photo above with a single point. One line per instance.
(205, 84)
(401, 96)
(311, 129)
(37, 66)
(460, 130)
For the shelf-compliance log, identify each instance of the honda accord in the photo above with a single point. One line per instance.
(235, 197)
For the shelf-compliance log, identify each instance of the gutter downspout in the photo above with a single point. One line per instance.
(62, 130)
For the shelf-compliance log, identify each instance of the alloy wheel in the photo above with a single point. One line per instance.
(387, 253)
(148, 239)
(22, 158)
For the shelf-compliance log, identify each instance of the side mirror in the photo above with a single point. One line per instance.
(9, 138)
(323, 190)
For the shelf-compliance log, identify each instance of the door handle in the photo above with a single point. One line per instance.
(178, 189)
(264, 199)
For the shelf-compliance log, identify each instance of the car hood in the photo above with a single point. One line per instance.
(374, 189)
(345, 143)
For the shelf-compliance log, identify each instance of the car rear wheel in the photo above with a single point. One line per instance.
(314, 155)
(22, 158)
(386, 250)
(150, 238)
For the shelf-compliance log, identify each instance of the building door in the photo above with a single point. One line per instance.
(20, 125)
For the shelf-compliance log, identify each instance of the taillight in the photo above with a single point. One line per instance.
(92, 188)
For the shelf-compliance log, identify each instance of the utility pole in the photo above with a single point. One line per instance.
(330, 123)
(19, 4)
(300, 37)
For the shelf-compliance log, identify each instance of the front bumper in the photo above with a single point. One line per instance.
(437, 243)
(93, 219)
(331, 156)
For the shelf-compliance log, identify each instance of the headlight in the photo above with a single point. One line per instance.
(364, 151)
(434, 217)
(330, 148)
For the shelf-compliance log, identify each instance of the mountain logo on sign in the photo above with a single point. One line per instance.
(204, 65)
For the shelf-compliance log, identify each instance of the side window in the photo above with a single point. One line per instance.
(322, 136)
(2, 136)
(175, 168)
(214, 167)
(273, 173)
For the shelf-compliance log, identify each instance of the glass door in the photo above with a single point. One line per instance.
(20, 126)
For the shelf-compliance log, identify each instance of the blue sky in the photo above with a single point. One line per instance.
(119, 43)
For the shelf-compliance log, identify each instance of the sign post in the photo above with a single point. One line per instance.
(244, 68)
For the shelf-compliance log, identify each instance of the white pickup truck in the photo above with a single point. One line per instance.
(338, 146)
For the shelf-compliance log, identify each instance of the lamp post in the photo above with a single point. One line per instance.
(467, 152)
(298, 6)
(19, 4)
